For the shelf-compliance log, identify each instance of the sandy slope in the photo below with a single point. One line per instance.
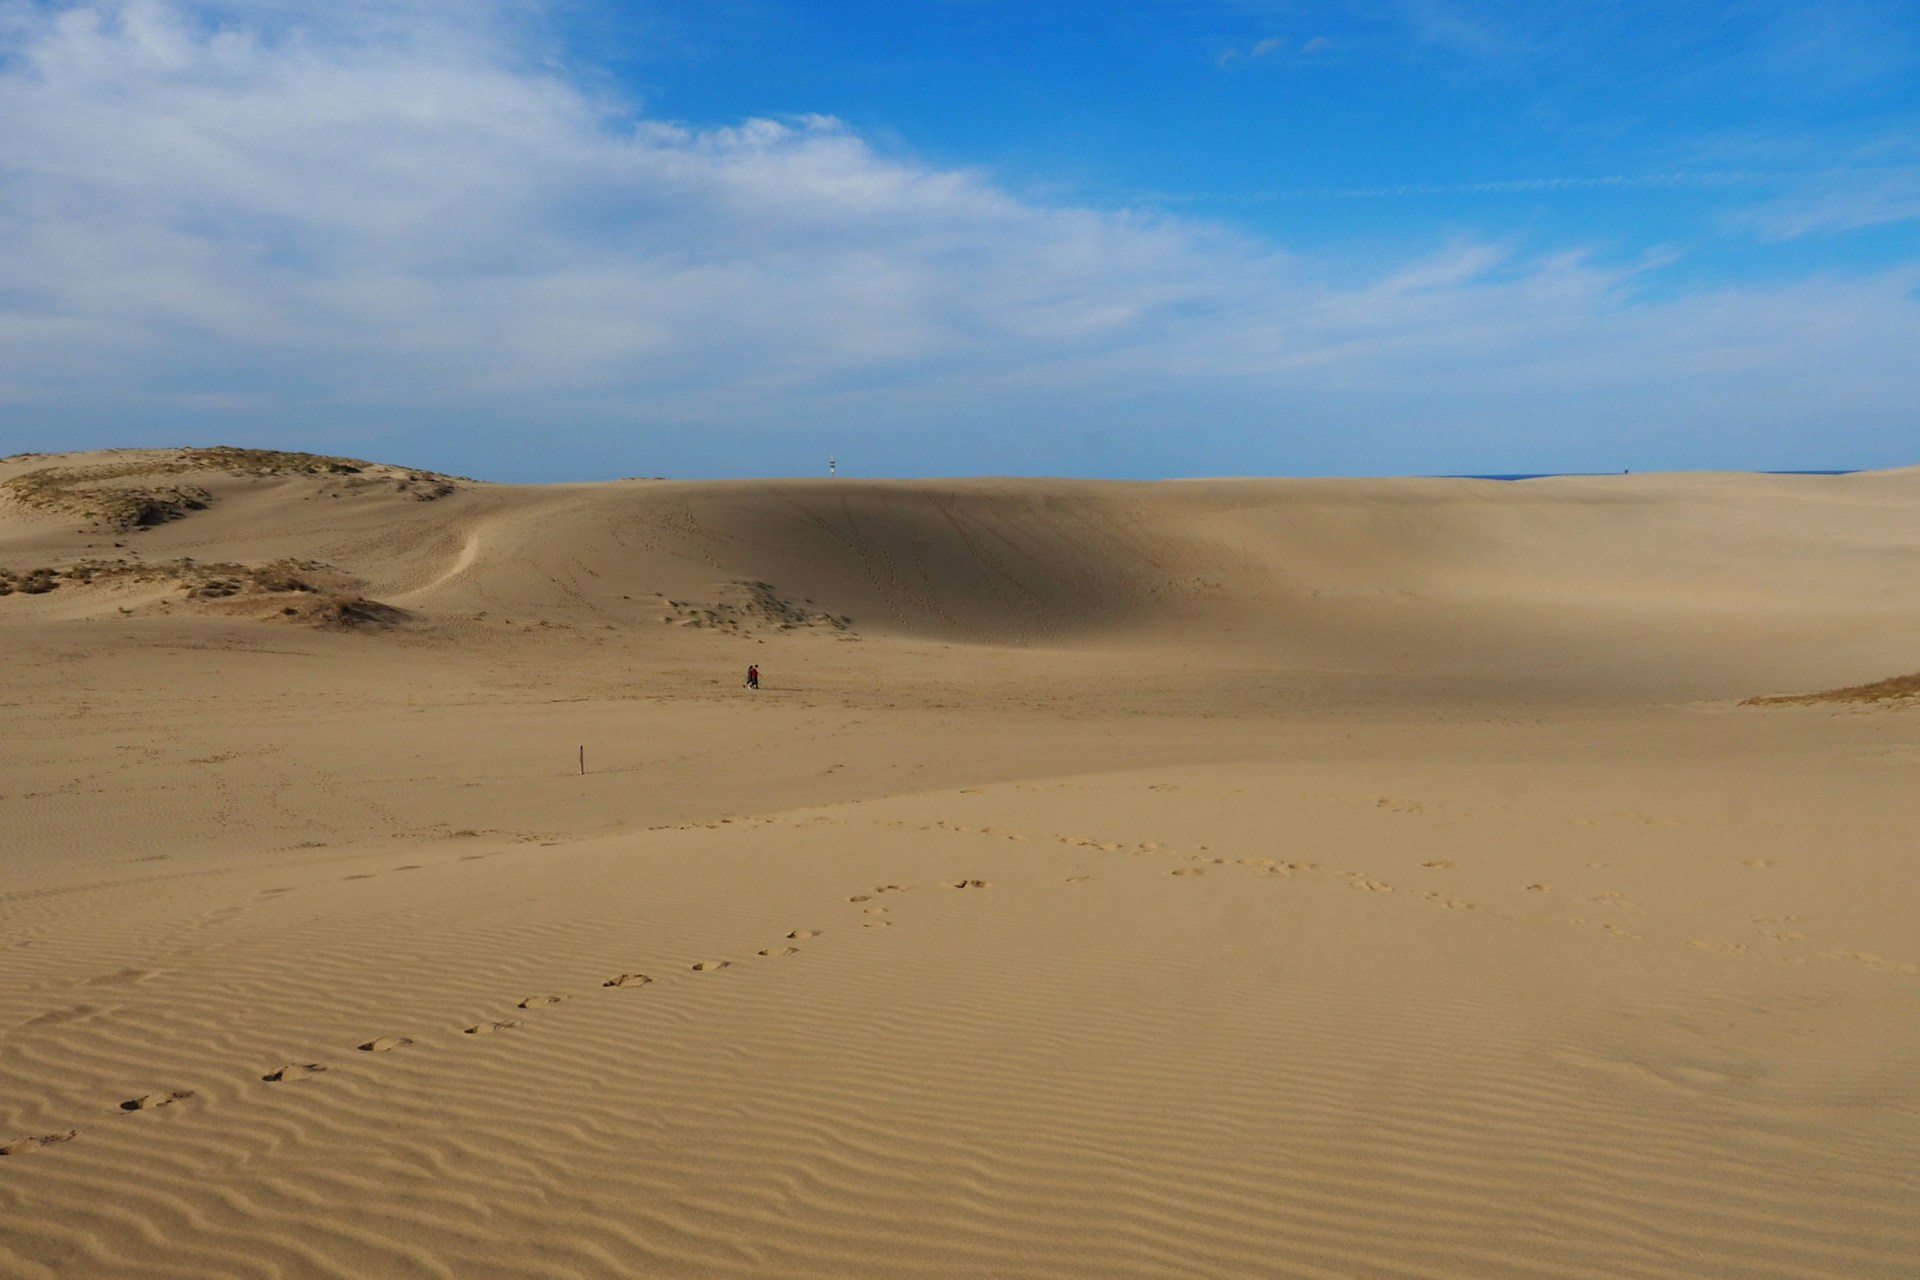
(1332, 878)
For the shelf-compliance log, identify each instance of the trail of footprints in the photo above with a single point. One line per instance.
(875, 916)
(1199, 863)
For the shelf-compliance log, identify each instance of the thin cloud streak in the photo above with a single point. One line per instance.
(1729, 179)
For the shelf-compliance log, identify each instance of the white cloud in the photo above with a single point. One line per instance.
(251, 219)
(1842, 200)
(1257, 50)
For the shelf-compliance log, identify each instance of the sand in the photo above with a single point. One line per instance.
(1379, 878)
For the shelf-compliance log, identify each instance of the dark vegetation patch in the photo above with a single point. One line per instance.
(88, 492)
(305, 590)
(200, 580)
(141, 494)
(1892, 689)
(746, 608)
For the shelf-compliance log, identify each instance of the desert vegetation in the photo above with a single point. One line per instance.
(304, 590)
(1892, 689)
(148, 491)
(752, 607)
(199, 579)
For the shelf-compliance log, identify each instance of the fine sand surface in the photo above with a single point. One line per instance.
(1223, 878)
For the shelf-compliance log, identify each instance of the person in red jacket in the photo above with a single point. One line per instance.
(753, 676)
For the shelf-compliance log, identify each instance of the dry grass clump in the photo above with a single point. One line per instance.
(423, 485)
(31, 583)
(86, 492)
(124, 495)
(753, 607)
(346, 612)
(270, 462)
(304, 591)
(1891, 689)
(208, 580)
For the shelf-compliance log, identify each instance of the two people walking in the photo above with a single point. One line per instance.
(753, 676)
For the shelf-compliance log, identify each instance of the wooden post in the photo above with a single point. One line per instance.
(583, 759)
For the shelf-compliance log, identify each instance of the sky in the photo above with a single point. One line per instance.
(579, 240)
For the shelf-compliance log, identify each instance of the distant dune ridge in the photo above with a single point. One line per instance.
(1316, 562)
(1397, 877)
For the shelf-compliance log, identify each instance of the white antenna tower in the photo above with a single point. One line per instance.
(833, 467)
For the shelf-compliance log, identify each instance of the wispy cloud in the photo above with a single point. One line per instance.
(1529, 186)
(1270, 47)
(1845, 200)
(230, 225)
(1788, 202)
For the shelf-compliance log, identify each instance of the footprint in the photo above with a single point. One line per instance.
(488, 1028)
(799, 935)
(534, 1002)
(367, 876)
(710, 966)
(873, 911)
(628, 980)
(1871, 961)
(1358, 881)
(860, 897)
(148, 1101)
(1755, 862)
(878, 924)
(294, 1071)
(1439, 864)
(385, 1044)
(125, 975)
(1189, 871)
(54, 1017)
(20, 1146)
(779, 951)
(967, 884)
(1536, 888)
(1077, 879)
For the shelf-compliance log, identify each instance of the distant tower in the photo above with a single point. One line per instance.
(833, 467)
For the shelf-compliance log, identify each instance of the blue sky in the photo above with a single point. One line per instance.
(579, 240)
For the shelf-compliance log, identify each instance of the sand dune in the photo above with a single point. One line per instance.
(1209, 878)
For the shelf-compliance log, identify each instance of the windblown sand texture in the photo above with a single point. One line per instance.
(1215, 878)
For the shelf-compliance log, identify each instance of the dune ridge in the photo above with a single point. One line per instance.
(1226, 878)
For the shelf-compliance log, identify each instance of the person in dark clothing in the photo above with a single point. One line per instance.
(753, 676)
